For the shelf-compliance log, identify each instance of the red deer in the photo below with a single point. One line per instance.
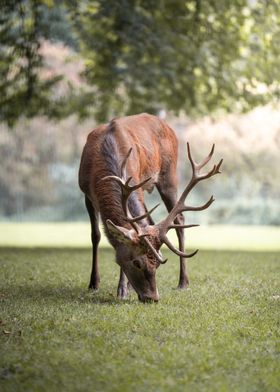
(119, 161)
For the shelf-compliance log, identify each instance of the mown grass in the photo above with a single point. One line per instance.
(220, 335)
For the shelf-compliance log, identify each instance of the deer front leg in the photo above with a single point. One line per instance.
(95, 239)
(122, 286)
(169, 197)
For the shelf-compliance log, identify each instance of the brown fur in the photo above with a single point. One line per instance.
(154, 155)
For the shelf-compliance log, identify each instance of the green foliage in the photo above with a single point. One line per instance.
(192, 56)
(222, 334)
(24, 25)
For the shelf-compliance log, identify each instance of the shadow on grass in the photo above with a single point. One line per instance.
(55, 295)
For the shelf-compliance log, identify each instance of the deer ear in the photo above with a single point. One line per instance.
(122, 234)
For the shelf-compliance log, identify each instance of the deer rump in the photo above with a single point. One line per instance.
(120, 160)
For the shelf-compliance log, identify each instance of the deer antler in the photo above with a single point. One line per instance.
(128, 189)
(126, 192)
(168, 223)
(165, 225)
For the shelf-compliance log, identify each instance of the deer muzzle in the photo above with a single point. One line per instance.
(154, 297)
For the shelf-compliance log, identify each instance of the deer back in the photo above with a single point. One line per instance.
(154, 153)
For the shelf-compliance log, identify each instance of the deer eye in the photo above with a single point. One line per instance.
(137, 264)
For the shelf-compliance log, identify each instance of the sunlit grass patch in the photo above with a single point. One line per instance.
(222, 334)
(219, 237)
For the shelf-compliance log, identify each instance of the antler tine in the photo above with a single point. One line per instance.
(137, 186)
(190, 157)
(140, 217)
(207, 159)
(184, 208)
(115, 178)
(218, 166)
(127, 190)
(166, 241)
(200, 208)
(196, 167)
(177, 226)
(152, 249)
(168, 223)
(212, 172)
(196, 177)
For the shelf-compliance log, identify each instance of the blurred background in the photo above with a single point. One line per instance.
(209, 68)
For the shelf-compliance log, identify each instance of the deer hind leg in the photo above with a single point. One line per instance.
(95, 239)
(169, 197)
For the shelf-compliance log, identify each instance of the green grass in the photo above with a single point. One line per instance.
(220, 335)
(219, 237)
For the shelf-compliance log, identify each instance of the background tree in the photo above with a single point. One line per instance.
(107, 58)
(193, 56)
(24, 24)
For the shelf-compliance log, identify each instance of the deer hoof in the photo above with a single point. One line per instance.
(122, 292)
(183, 285)
(93, 286)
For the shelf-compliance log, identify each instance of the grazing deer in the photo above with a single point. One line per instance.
(120, 160)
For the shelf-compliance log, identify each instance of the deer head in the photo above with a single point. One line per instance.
(141, 243)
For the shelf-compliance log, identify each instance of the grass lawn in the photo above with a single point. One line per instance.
(220, 335)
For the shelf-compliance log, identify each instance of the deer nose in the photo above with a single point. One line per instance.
(149, 298)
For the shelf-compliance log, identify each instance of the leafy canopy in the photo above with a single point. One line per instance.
(144, 55)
